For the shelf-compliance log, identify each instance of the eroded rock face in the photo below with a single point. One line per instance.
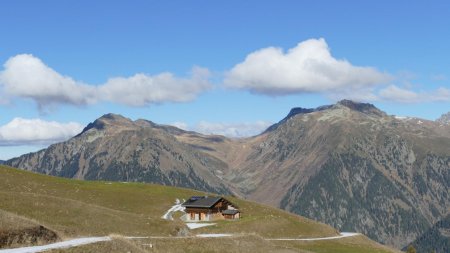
(37, 235)
(348, 164)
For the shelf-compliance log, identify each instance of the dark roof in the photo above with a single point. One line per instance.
(232, 212)
(205, 202)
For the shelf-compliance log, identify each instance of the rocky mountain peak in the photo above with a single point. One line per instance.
(365, 108)
(112, 117)
(117, 122)
(106, 120)
(299, 110)
(293, 112)
(361, 107)
(444, 119)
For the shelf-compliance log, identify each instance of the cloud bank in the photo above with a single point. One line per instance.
(141, 89)
(28, 77)
(308, 67)
(396, 94)
(22, 131)
(233, 130)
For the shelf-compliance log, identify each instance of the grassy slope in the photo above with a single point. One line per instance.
(81, 208)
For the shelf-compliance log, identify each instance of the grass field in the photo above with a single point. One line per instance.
(74, 208)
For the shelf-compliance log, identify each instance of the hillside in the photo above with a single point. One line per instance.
(349, 165)
(354, 167)
(118, 149)
(75, 208)
(436, 239)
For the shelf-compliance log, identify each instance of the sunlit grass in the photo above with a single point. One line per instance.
(74, 208)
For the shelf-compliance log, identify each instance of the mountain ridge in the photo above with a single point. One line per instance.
(360, 107)
(331, 163)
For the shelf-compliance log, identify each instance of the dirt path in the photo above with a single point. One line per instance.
(89, 240)
(58, 245)
(342, 235)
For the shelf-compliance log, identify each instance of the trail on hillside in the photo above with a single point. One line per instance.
(175, 208)
(58, 245)
(342, 235)
(89, 240)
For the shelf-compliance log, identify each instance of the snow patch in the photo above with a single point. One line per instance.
(213, 235)
(199, 225)
(401, 117)
(137, 237)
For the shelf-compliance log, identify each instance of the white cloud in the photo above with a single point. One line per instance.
(21, 131)
(180, 125)
(441, 94)
(439, 77)
(233, 130)
(394, 93)
(361, 95)
(141, 89)
(308, 67)
(397, 94)
(28, 77)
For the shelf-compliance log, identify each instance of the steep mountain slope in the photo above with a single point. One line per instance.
(116, 148)
(354, 167)
(444, 119)
(436, 239)
(349, 165)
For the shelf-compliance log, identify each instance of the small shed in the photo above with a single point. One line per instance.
(231, 214)
(206, 208)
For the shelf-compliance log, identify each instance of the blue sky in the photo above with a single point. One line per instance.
(229, 67)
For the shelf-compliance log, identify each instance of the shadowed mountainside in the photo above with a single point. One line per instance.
(436, 239)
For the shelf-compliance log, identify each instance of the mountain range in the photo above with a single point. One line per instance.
(349, 165)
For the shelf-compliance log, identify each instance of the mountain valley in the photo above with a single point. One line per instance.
(349, 165)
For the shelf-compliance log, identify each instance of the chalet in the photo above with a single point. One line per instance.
(204, 208)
